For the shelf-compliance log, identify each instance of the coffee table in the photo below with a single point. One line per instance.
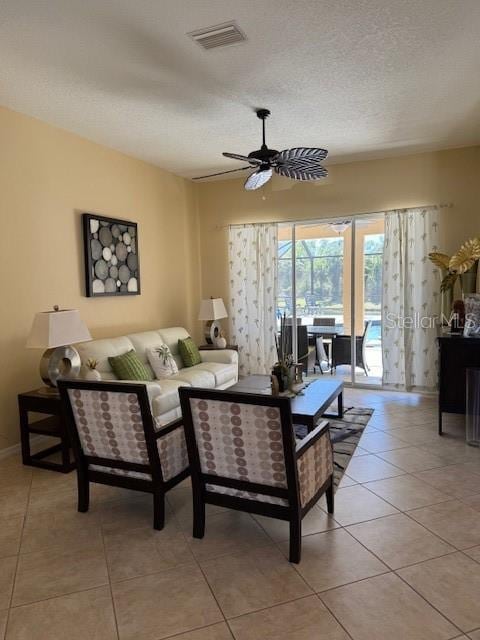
(308, 408)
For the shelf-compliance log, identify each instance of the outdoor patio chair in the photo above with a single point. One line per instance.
(304, 349)
(117, 442)
(311, 305)
(326, 341)
(324, 322)
(341, 350)
(320, 354)
(243, 456)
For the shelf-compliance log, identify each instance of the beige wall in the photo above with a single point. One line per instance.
(47, 178)
(430, 178)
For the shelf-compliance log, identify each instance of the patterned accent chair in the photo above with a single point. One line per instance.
(116, 441)
(243, 455)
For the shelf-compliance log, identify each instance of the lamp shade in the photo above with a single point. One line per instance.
(52, 329)
(212, 309)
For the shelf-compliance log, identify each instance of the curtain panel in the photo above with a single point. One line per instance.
(253, 292)
(411, 300)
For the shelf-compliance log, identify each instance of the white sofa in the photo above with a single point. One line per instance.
(218, 369)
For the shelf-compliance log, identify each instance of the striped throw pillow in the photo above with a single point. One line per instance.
(128, 366)
(189, 352)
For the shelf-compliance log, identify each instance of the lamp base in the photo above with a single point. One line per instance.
(60, 362)
(212, 331)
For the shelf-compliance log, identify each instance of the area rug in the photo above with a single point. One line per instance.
(345, 434)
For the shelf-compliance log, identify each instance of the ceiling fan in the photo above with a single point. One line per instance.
(299, 163)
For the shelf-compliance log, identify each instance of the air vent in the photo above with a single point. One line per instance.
(221, 35)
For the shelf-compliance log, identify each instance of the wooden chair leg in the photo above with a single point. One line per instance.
(198, 515)
(329, 493)
(158, 510)
(295, 539)
(83, 492)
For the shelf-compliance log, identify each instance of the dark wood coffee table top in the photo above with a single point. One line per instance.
(307, 408)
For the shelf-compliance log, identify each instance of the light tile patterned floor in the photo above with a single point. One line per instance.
(400, 559)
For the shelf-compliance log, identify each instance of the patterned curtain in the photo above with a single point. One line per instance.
(253, 293)
(411, 300)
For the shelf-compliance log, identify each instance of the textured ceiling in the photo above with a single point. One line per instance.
(363, 78)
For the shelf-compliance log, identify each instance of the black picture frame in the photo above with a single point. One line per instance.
(111, 257)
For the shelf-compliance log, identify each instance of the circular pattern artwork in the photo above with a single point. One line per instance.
(96, 249)
(121, 252)
(111, 250)
(101, 269)
(132, 262)
(124, 274)
(105, 236)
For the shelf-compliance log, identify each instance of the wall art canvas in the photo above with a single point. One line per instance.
(111, 256)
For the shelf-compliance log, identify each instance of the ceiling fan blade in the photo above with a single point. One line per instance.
(221, 173)
(312, 172)
(236, 156)
(301, 154)
(258, 178)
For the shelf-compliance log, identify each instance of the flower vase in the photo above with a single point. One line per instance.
(282, 378)
(447, 303)
(291, 376)
(468, 280)
(92, 374)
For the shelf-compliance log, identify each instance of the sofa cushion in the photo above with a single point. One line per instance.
(189, 352)
(143, 341)
(168, 399)
(196, 376)
(222, 372)
(128, 366)
(170, 337)
(162, 362)
(101, 350)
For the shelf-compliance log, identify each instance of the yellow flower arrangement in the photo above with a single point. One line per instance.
(461, 261)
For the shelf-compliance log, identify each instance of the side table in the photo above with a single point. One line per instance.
(49, 403)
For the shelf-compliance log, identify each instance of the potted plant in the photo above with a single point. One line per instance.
(91, 373)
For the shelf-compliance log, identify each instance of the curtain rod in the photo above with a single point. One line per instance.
(442, 205)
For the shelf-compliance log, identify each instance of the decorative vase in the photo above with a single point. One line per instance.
(220, 343)
(446, 302)
(92, 374)
(468, 280)
(291, 376)
(282, 378)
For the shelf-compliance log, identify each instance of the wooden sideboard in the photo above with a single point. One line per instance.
(456, 354)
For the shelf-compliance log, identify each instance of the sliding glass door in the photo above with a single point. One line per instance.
(329, 282)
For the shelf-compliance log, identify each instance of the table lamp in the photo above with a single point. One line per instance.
(55, 331)
(212, 310)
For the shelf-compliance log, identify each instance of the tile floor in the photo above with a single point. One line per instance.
(400, 559)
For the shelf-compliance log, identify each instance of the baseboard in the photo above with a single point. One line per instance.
(35, 443)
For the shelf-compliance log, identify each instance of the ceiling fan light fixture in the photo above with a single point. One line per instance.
(340, 227)
(258, 178)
